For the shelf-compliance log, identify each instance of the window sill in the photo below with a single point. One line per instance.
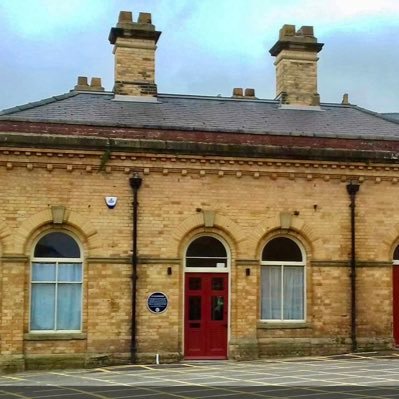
(267, 325)
(54, 336)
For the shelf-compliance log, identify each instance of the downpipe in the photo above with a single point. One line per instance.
(135, 184)
(352, 189)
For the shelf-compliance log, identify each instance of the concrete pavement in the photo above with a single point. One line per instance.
(367, 375)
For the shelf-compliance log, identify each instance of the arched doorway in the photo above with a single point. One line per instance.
(206, 299)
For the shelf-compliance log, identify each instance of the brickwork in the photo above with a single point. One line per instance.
(247, 199)
(134, 67)
(296, 75)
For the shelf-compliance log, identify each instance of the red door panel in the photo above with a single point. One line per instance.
(395, 303)
(205, 315)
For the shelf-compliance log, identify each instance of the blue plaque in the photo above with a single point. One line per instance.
(157, 302)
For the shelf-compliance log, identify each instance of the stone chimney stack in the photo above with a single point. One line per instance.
(134, 49)
(296, 66)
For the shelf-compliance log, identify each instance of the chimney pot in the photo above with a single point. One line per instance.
(237, 92)
(95, 84)
(249, 92)
(82, 81)
(345, 99)
(306, 31)
(316, 99)
(144, 18)
(125, 17)
(82, 84)
(287, 30)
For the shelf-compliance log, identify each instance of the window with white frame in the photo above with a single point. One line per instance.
(282, 281)
(56, 284)
(206, 251)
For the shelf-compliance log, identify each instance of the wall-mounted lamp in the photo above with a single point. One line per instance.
(169, 271)
(247, 271)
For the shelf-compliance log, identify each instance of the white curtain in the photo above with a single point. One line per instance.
(293, 291)
(68, 307)
(271, 293)
(43, 307)
(285, 305)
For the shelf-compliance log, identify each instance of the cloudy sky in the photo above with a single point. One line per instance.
(207, 47)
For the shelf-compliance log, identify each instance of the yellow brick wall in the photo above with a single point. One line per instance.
(247, 198)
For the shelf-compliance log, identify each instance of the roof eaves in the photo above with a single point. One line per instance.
(347, 136)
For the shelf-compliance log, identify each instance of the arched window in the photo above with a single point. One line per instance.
(282, 281)
(56, 284)
(206, 251)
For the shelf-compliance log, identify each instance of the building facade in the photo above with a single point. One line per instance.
(139, 226)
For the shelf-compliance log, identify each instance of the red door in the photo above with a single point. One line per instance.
(205, 316)
(395, 303)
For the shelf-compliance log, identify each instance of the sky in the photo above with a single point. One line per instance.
(207, 47)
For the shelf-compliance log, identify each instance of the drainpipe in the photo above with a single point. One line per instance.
(135, 183)
(352, 189)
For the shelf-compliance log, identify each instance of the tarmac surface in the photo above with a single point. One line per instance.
(366, 375)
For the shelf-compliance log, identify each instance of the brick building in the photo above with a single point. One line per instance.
(140, 226)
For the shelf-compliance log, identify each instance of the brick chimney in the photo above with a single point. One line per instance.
(134, 49)
(296, 66)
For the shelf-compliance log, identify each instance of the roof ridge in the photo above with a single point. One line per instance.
(38, 103)
(217, 98)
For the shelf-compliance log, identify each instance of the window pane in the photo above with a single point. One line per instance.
(271, 293)
(293, 288)
(208, 247)
(282, 249)
(57, 245)
(396, 253)
(217, 283)
(42, 307)
(194, 308)
(70, 272)
(194, 283)
(43, 272)
(217, 307)
(69, 307)
(195, 262)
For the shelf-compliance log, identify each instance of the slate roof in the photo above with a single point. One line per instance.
(214, 114)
